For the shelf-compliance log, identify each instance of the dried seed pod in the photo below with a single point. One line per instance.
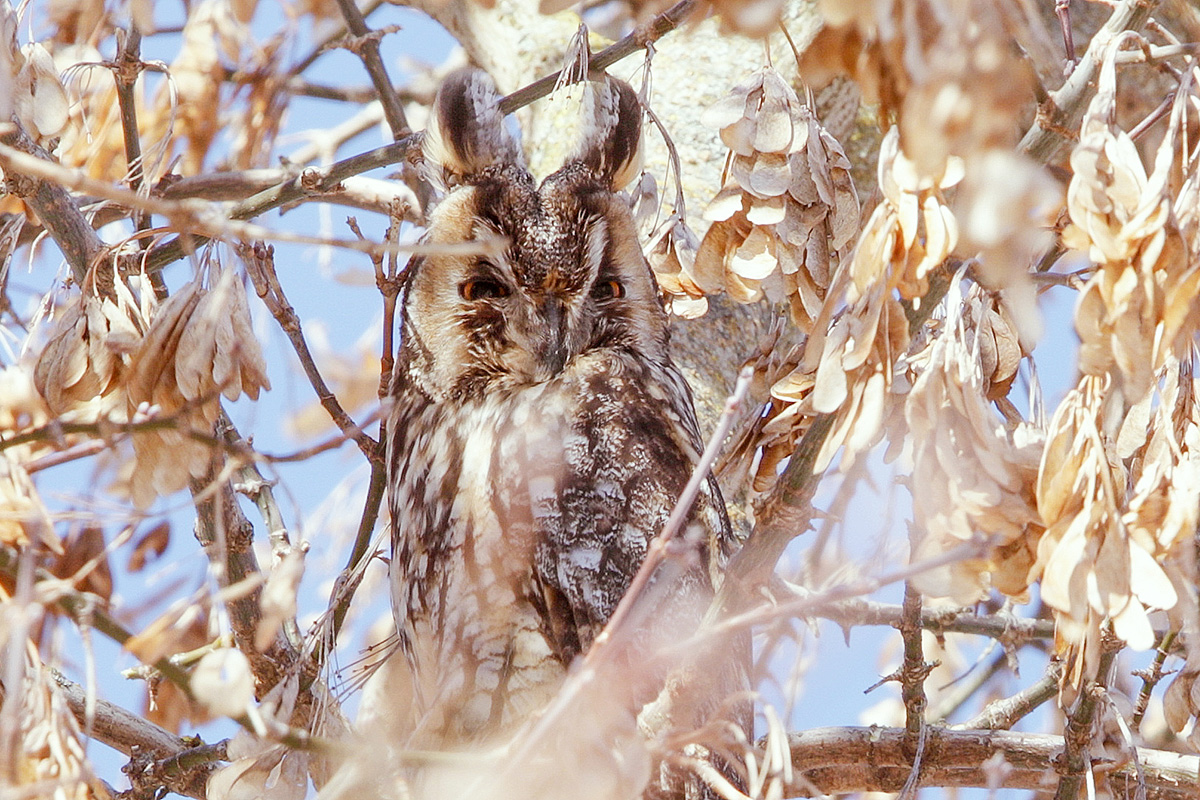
(199, 345)
(977, 475)
(82, 369)
(788, 206)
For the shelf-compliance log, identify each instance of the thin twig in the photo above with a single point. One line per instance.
(1014, 631)
(366, 46)
(1045, 139)
(323, 46)
(260, 265)
(1151, 677)
(646, 34)
(1003, 714)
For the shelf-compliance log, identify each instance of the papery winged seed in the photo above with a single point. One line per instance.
(739, 137)
(64, 360)
(908, 212)
(689, 307)
(226, 368)
(845, 219)
(251, 363)
(1177, 706)
(1111, 588)
(742, 290)
(726, 111)
(1148, 581)
(156, 358)
(774, 118)
(871, 413)
(818, 165)
(769, 176)
(755, 259)
(193, 363)
(865, 330)
(732, 106)
(768, 211)
(795, 228)
(728, 202)
(874, 247)
(101, 359)
(124, 326)
(774, 286)
(830, 387)
(1128, 180)
(816, 260)
(1133, 626)
(44, 103)
(710, 257)
(789, 263)
(1059, 573)
(937, 236)
(802, 186)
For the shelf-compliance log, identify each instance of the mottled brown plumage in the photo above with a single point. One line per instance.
(540, 433)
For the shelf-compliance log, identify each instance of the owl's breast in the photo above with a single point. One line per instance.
(462, 568)
(519, 520)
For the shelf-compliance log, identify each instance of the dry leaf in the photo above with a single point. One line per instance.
(149, 546)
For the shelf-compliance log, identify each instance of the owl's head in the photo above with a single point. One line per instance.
(564, 274)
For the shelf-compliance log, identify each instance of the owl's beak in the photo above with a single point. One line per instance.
(552, 349)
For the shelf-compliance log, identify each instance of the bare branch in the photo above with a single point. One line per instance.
(134, 736)
(260, 264)
(80, 245)
(366, 45)
(843, 760)
(1056, 125)
(1003, 714)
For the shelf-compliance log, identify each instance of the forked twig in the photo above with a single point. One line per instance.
(260, 265)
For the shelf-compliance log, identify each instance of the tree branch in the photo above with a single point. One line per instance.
(81, 246)
(260, 264)
(134, 736)
(366, 46)
(842, 760)
(1049, 134)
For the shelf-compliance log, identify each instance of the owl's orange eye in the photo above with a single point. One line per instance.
(608, 290)
(481, 289)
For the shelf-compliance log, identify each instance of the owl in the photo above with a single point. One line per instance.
(539, 433)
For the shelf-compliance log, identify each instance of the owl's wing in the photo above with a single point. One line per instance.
(603, 488)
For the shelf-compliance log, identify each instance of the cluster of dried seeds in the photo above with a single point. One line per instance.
(977, 475)
(788, 212)
(117, 356)
(1098, 562)
(1139, 306)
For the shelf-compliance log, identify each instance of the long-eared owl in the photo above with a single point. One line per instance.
(540, 433)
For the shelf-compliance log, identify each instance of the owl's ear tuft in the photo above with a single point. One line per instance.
(466, 132)
(611, 140)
